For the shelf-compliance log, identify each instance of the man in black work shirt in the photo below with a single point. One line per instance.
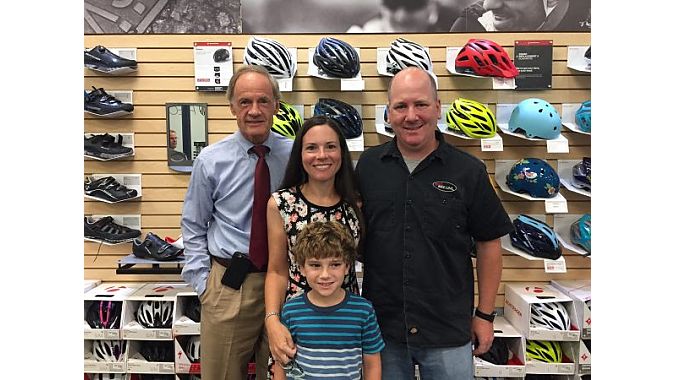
(424, 203)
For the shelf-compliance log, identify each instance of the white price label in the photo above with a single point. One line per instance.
(491, 145)
(504, 83)
(557, 146)
(353, 84)
(285, 84)
(163, 334)
(111, 334)
(557, 205)
(555, 266)
(166, 368)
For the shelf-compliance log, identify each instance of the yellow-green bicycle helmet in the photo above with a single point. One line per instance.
(471, 118)
(544, 351)
(287, 121)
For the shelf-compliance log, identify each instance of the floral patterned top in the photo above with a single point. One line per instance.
(297, 212)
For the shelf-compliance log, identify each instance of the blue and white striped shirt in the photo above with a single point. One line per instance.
(330, 341)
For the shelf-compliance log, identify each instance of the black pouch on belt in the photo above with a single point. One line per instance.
(236, 273)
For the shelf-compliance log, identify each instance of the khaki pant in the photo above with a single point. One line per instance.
(232, 328)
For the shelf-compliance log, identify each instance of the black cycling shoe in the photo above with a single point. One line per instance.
(107, 189)
(106, 230)
(154, 248)
(99, 103)
(101, 59)
(106, 147)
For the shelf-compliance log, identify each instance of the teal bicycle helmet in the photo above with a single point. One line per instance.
(583, 116)
(580, 232)
(535, 118)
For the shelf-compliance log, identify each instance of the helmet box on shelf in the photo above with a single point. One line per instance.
(105, 356)
(104, 309)
(149, 312)
(90, 284)
(186, 319)
(565, 367)
(187, 354)
(515, 366)
(540, 312)
(147, 356)
(580, 292)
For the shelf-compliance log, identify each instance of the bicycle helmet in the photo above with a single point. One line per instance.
(580, 234)
(157, 350)
(108, 350)
(498, 353)
(484, 58)
(583, 116)
(107, 376)
(550, 315)
(534, 177)
(544, 351)
(343, 114)
(471, 118)
(404, 53)
(535, 237)
(155, 314)
(582, 174)
(535, 118)
(193, 349)
(193, 309)
(104, 314)
(386, 121)
(270, 54)
(221, 55)
(587, 53)
(336, 58)
(156, 376)
(287, 121)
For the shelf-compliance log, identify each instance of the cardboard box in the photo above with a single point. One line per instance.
(566, 367)
(90, 284)
(583, 353)
(136, 363)
(183, 364)
(518, 300)
(166, 292)
(182, 324)
(115, 292)
(517, 346)
(91, 365)
(580, 292)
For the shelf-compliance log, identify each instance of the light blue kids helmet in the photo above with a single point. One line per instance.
(583, 116)
(535, 118)
(580, 232)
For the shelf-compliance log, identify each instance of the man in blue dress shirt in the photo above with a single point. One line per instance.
(216, 223)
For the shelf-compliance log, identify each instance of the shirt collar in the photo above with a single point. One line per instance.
(392, 150)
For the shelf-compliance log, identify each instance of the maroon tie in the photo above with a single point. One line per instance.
(258, 243)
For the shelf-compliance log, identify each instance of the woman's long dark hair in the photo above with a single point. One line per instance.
(345, 182)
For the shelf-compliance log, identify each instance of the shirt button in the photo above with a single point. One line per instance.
(413, 330)
(408, 228)
(457, 226)
(409, 202)
(407, 256)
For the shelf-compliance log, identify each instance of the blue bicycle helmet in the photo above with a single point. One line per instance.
(535, 237)
(386, 120)
(534, 177)
(336, 58)
(343, 114)
(580, 232)
(535, 118)
(583, 116)
(582, 174)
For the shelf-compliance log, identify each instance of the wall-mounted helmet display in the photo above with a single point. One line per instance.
(535, 118)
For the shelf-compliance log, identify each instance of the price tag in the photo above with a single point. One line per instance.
(559, 145)
(116, 367)
(555, 266)
(163, 334)
(493, 144)
(111, 334)
(556, 205)
(352, 84)
(285, 84)
(504, 83)
(166, 368)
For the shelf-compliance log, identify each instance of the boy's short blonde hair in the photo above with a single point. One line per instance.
(321, 240)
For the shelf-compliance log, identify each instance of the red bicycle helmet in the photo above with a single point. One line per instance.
(485, 58)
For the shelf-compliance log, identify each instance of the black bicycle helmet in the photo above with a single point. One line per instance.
(343, 114)
(336, 58)
(193, 309)
(221, 55)
(270, 54)
(582, 174)
(535, 237)
(498, 353)
(587, 54)
(156, 376)
(108, 350)
(104, 314)
(157, 350)
(107, 376)
(155, 314)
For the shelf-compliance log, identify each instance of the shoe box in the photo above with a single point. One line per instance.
(518, 300)
(133, 330)
(580, 292)
(115, 292)
(516, 366)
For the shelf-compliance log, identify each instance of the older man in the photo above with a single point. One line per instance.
(225, 253)
(426, 203)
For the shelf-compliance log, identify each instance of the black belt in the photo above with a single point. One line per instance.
(226, 263)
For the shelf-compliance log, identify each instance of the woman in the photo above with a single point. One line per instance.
(319, 185)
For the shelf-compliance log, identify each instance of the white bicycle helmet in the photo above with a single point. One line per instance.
(404, 53)
(155, 314)
(107, 376)
(270, 54)
(550, 315)
(193, 349)
(108, 350)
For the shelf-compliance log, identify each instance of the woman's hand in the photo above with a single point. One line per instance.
(281, 344)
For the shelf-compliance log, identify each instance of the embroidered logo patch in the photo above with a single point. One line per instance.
(444, 186)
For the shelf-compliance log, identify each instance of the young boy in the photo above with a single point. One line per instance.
(336, 332)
